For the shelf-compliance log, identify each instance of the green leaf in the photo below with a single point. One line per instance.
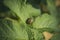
(45, 21)
(52, 7)
(38, 35)
(22, 9)
(12, 30)
(18, 30)
(56, 37)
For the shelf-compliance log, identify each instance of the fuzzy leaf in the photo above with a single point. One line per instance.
(56, 37)
(22, 9)
(45, 21)
(11, 30)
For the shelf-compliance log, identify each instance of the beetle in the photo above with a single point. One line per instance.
(29, 21)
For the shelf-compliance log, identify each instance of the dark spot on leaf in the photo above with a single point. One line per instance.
(29, 21)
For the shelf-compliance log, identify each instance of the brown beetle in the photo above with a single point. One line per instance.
(29, 21)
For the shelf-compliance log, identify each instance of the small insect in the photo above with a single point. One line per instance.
(29, 21)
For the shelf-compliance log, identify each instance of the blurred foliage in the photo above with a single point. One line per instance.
(13, 25)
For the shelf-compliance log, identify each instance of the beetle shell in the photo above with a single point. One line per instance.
(29, 21)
